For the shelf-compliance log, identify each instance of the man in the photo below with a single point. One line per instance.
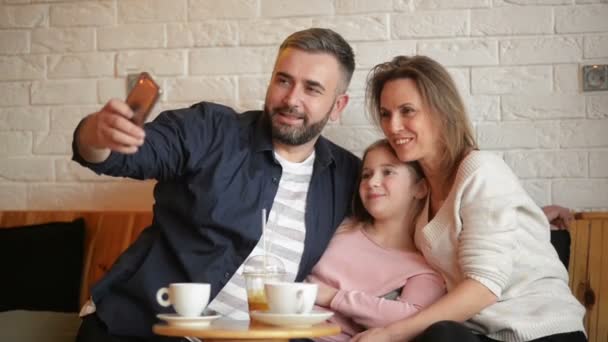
(217, 170)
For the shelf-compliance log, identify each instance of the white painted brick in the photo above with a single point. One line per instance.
(81, 65)
(429, 24)
(580, 133)
(448, 4)
(210, 33)
(54, 143)
(67, 170)
(583, 193)
(24, 67)
(158, 63)
(541, 50)
(212, 9)
(145, 11)
(352, 138)
(357, 83)
(216, 61)
(14, 196)
(548, 164)
(356, 28)
(89, 13)
(511, 80)
(498, 3)
(24, 118)
(216, 89)
(64, 92)
(63, 40)
(513, 135)
(461, 52)
(131, 36)
(244, 106)
(590, 18)
(296, 8)
(591, 1)
(483, 108)
(16, 143)
(462, 79)
(596, 46)
(368, 54)
(597, 106)
(543, 106)
(77, 196)
(598, 163)
(252, 88)
(111, 89)
(27, 169)
(270, 31)
(539, 190)
(14, 42)
(566, 78)
(355, 114)
(66, 118)
(363, 6)
(500, 21)
(111, 196)
(27, 16)
(403, 6)
(14, 94)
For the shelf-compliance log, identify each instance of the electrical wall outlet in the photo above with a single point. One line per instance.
(595, 77)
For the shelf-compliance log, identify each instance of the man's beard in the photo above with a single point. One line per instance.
(295, 135)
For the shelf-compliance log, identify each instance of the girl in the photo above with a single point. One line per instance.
(371, 274)
(479, 227)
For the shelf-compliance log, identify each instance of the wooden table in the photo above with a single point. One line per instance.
(228, 329)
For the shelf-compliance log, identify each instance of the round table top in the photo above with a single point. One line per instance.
(225, 328)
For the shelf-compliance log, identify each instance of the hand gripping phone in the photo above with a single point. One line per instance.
(142, 98)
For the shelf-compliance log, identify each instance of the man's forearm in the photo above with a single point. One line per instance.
(87, 152)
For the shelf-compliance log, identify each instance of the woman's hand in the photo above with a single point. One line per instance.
(559, 217)
(373, 335)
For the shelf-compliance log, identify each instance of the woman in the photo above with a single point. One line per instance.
(479, 228)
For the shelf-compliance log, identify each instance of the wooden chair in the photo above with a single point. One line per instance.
(588, 270)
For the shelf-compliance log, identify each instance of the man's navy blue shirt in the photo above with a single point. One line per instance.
(216, 171)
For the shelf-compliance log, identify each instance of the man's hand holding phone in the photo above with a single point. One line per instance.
(117, 126)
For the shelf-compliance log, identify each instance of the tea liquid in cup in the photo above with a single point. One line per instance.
(290, 298)
(259, 270)
(188, 299)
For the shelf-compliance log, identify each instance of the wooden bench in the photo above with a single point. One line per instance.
(108, 234)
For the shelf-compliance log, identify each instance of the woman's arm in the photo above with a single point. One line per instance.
(463, 302)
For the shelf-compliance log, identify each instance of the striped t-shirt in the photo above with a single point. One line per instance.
(285, 231)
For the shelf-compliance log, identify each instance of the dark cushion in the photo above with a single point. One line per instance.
(560, 239)
(41, 266)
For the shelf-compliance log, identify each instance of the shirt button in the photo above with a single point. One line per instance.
(275, 180)
(226, 275)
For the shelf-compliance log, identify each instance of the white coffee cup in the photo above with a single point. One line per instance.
(188, 299)
(290, 298)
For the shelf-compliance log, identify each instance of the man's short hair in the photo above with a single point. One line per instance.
(325, 41)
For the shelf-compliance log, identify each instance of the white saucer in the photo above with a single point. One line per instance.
(292, 320)
(182, 321)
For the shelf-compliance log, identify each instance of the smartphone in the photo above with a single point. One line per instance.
(142, 98)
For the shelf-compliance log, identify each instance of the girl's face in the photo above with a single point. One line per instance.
(407, 122)
(388, 186)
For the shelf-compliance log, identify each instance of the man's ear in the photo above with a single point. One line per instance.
(339, 106)
(422, 189)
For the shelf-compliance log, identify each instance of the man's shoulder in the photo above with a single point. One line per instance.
(341, 155)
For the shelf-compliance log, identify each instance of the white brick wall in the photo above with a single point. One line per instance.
(516, 63)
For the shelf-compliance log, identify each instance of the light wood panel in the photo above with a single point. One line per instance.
(588, 270)
(107, 235)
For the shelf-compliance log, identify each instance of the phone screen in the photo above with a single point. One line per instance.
(142, 98)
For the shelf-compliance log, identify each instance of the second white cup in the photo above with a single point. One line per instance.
(188, 299)
(290, 298)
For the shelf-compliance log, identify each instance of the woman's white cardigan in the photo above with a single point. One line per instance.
(489, 229)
